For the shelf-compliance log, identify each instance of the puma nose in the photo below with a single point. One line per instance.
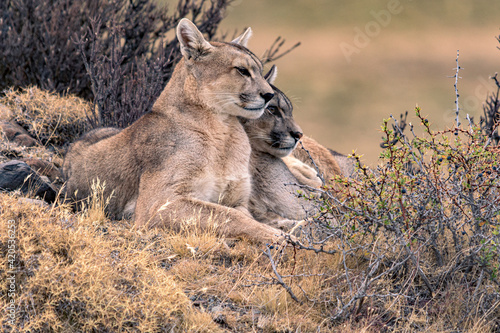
(267, 96)
(296, 135)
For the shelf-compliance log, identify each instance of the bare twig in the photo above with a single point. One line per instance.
(279, 279)
(272, 54)
(456, 76)
(314, 163)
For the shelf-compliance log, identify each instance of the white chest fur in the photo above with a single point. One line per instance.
(226, 177)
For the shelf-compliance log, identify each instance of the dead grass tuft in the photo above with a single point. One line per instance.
(49, 118)
(75, 275)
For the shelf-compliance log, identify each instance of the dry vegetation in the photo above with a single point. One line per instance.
(86, 273)
(373, 261)
(51, 119)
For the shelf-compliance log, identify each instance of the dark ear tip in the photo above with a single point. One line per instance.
(271, 74)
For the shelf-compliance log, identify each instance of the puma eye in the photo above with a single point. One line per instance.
(243, 71)
(272, 108)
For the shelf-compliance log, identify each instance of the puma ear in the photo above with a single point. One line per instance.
(271, 75)
(243, 38)
(193, 45)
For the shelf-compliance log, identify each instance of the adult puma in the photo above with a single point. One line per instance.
(190, 155)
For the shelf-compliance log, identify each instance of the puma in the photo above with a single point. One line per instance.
(276, 176)
(190, 155)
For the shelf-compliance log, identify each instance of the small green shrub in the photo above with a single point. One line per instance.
(424, 222)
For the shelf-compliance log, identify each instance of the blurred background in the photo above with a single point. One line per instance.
(361, 61)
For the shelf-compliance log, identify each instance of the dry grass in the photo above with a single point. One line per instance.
(49, 118)
(81, 274)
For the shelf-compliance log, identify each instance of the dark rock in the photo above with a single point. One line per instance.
(17, 134)
(18, 175)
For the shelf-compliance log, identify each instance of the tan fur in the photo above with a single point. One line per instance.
(347, 165)
(273, 136)
(305, 174)
(190, 155)
(327, 165)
